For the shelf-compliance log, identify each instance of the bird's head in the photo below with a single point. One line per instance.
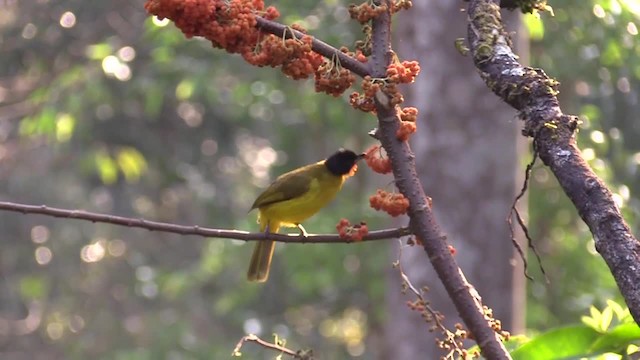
(342, 161)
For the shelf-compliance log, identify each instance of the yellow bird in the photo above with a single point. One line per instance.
(294, 197)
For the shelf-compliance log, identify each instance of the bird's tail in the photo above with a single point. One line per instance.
(262, 254)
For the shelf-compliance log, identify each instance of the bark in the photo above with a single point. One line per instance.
(533, 94)
(467, 151)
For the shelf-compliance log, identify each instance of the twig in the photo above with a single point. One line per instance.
(300, 354)
(318, 46)
(194, 229)
(515, 212)
(431, 313)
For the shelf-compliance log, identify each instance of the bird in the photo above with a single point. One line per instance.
(293, 198)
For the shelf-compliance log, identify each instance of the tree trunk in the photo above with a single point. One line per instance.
(467, 149)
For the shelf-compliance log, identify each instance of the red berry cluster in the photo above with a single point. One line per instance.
(294, 55)
(376, 161)
(397, 73)
(405, 130)
(364, 102)
(418, 305)
(408, 117)
(360, 56)
(393, 204)
(400, 4)
(409, 114)
(333, 79)
(352, 232)
(391, 89)
(403, 72)
(228, 24)
(366, 11)
(231, 25)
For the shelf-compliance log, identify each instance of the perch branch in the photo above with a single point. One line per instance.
(533, 94)
(194, 229)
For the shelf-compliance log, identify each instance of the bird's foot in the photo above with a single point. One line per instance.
(303, 232)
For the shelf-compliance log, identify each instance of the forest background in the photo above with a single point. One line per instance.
(106, 109)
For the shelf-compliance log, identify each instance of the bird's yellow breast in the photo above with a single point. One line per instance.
(294, 211)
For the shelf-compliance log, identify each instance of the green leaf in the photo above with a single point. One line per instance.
(40, 124)
(33, 287)
(132, 163)
(185, 89)
(535, 26)
(612, 55)
(98, 51)
(605, 320)
(64, 127)
(107, 168)
(618, 310)
(617, 339)
(153, 100)
(562, 343)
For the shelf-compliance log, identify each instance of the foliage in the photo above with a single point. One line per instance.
(611, 331)
(114, 111)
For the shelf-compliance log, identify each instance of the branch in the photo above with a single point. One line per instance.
(318, 46)
(526, 6)
(300, 354)
(533, 94)
(465, 298)
(195, 229)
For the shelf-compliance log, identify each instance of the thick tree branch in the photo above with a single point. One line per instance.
(533, 94)
(465, 298)
(318, 46)
(526, 6)
(194, 229)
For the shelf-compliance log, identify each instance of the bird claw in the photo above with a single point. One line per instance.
(303, 232)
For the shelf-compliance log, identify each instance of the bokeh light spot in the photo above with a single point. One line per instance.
(252, 326)
(127, 53)
(159, 23)
(68, 20)
(43, 255)
(39, 234)
(94, 252)
(29, 31)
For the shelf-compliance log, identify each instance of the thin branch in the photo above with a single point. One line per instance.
(195, 229)
(429, 314)
(318, 46)
(533, 94)
(300, 354)
(423, 223)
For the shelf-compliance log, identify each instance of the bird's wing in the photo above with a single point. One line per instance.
(287, 186)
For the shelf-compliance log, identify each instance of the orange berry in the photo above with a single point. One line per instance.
(406, 128)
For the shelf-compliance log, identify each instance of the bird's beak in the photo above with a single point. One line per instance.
(361, 156)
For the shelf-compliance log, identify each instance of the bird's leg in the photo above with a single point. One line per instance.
(303, 232)
(267, 229)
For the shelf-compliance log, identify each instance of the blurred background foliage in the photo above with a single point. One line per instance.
(105, 109)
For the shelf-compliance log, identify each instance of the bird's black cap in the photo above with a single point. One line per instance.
(342, 161)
